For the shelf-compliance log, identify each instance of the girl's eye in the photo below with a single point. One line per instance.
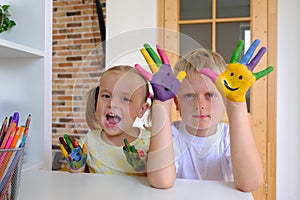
(105, 96)
(189, 96)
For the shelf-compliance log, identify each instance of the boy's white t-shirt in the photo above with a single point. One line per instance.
(107, 159)
(204, 158)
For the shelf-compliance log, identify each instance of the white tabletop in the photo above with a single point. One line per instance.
(46, 185)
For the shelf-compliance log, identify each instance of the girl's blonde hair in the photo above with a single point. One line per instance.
(197, 59)
(92, 95)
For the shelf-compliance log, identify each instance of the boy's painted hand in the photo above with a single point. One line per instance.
(165, 85)
(133, 156)
(72, 152)
(238, 77)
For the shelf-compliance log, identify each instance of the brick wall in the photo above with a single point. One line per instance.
(77, 62)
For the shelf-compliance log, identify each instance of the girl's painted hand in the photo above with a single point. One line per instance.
(72, 152)
(238, 77)
(133, 156)
(165, 85)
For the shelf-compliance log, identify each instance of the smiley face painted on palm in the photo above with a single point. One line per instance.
(238, 77)
(164, 84)
(235, 81)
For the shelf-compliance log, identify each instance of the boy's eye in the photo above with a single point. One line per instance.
(189, 96)
(210, 95)
(125, 99)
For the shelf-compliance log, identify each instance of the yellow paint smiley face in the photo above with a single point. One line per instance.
(238, 77)
(235, 81)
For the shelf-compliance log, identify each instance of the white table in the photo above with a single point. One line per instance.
(46, 185)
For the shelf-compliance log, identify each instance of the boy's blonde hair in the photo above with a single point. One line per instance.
(92, 95)
(197, 59)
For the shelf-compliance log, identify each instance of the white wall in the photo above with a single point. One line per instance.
(130, 24)
(288, 107)
(142, 13)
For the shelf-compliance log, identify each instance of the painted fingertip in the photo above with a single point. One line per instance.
(256, 41)
(84, 148)
(180, 76)
(146, 45)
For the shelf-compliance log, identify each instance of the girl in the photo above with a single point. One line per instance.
(112, 108)
(116, 103)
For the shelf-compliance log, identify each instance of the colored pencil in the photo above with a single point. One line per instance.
(3, 129)
(10, 129)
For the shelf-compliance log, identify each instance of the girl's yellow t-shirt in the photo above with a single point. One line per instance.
(107, 159)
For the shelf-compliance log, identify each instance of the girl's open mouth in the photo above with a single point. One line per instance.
(112, 119)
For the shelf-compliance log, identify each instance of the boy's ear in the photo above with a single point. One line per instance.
(143, 109)
(176, 103)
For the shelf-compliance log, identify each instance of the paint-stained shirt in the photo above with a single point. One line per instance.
(107, 159)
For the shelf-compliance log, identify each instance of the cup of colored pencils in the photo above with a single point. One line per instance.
(12, 143)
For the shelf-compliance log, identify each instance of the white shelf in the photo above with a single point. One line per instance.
(13, 50)
(26, 75)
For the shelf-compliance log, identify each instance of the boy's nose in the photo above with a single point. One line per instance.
(199, 107)
(200, 103)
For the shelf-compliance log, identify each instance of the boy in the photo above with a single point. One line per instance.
(206, 147)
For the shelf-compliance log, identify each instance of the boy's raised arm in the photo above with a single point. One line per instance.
(233, 83)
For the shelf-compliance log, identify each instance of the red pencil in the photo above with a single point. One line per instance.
(27, 125)
(10, 129)
(28, 121)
